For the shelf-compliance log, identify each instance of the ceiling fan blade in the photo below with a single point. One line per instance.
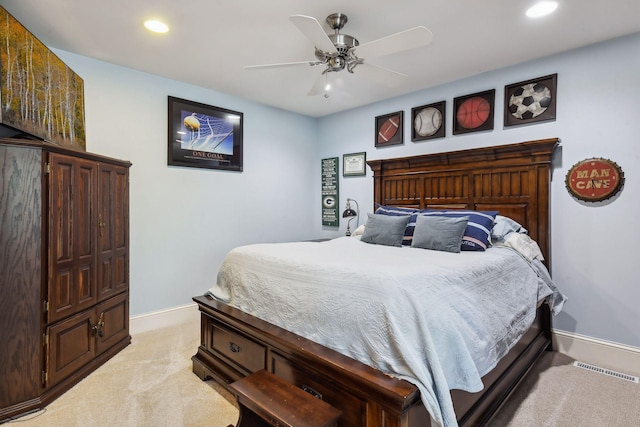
(311, 28)
(283, 64)
(394, 43)
(380, 75)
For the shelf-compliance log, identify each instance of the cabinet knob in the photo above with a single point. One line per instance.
(101, 225)
(97, 328)
(235, 348)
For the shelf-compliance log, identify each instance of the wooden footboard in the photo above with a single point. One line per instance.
(235, 344)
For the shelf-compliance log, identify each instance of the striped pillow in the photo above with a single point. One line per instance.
(477, 235)
(397, 211)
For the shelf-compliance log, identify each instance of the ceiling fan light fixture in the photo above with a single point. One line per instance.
(336, 63)
(339, 51)
(542, 8)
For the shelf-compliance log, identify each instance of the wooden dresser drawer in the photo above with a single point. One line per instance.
(238, 349)
(353, 409)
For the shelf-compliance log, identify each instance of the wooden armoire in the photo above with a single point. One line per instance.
(64, 269)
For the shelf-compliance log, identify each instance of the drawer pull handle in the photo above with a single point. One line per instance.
(235, 348)
(312, 392)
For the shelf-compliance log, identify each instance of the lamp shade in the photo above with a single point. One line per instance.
(349, 213)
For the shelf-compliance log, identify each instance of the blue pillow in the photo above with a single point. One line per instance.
(397, 211)
(477, 234)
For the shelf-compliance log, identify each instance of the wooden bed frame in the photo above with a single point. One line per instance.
(513, 179)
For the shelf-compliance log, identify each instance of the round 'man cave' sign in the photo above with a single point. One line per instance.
(594, 180)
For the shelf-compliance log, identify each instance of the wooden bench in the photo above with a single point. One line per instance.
(266, 400)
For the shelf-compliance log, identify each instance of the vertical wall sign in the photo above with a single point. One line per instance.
(330, 192)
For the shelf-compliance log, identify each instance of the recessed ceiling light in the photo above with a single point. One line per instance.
(542, 8)
(156, 26)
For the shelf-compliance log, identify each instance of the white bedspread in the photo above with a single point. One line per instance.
(436, 319)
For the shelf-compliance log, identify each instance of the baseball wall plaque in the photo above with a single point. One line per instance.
(428, 121)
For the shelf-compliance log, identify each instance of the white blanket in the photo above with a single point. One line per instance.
(436, 319)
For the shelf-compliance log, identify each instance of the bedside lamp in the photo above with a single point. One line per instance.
(350, 213)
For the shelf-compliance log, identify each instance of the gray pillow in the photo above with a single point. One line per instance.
(439, 233)
(384, 229)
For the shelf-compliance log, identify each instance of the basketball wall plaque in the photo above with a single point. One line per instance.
(473, 113)
(428, 121)
(531, 101)
(594, 180)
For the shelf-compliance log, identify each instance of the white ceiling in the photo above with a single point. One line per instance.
(210, 41)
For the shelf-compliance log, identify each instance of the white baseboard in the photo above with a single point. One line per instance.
(606, 354)
(163, 318)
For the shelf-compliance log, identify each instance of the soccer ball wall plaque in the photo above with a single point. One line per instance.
(531, 101)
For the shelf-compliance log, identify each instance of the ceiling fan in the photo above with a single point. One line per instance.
(336, 52)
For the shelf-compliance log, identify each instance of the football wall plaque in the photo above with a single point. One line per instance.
(531, 101)
(389, 129)
(594, 180)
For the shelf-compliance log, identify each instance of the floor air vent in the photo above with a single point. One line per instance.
(606, 372)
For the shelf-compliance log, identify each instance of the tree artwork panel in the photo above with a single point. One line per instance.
(41, 97)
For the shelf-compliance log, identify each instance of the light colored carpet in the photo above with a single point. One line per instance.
(556, 393)
(150, 383)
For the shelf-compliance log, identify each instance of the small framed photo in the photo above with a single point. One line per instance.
(531, 101)
(389, 129)
(203, 136)
(473, 113)
(354, 164)
(428, 121)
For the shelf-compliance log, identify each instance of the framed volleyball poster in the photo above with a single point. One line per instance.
(204, 136)
(428, 121)
(473, 113)
(531, 101)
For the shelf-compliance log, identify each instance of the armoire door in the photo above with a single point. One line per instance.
(113, 230)
(112, 318)
(72, 184)
(72, 344)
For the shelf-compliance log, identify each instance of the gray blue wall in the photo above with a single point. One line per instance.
(593, 246)
(184, 220)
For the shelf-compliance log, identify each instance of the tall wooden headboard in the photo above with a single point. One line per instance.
(513, 179)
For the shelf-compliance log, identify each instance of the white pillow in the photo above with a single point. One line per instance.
(503, 225)
(525, 245)
(358, 231)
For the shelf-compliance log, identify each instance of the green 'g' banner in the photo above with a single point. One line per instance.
(330, 192)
